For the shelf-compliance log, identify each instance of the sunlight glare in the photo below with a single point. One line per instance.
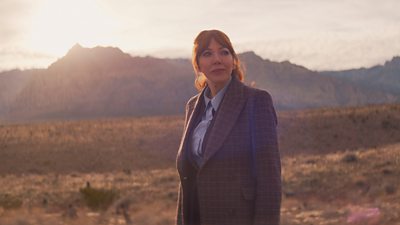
(58, 25)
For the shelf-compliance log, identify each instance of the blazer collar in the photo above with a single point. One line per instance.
(216, 100)
(226, 117)
(194, 112)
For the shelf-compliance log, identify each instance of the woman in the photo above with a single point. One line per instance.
(228, 160)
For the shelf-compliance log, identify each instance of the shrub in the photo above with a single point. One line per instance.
(349, 158)
(10, 202)
(390, 189)
(97, 198)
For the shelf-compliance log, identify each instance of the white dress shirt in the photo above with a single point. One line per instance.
(201, 129)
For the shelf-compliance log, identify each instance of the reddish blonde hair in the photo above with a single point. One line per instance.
(201, 43)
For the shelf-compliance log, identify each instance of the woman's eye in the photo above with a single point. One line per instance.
(206, 53)
(225, 52)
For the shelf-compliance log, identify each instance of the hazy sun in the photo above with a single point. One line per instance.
(59, 24)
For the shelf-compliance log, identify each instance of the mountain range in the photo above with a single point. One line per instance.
(381, 77)
(105, 82)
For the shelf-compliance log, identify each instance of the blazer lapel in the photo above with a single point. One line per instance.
(195, 111)
(230, 108)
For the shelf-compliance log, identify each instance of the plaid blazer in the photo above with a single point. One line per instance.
(228, 193)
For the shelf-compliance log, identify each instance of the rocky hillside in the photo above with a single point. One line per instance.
(105, 82)
(381, 77)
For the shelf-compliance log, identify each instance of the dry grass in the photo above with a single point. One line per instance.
(145, 194)
(330, 130)
(317, 190)
(335, 163)
(333, 187)
(90, 146)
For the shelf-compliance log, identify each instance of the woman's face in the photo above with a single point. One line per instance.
(216, 63)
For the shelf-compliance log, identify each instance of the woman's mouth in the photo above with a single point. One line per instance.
(219, 70)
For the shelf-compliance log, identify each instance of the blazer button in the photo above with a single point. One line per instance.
(185, 178)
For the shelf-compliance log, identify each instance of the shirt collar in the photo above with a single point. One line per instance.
(216, 100)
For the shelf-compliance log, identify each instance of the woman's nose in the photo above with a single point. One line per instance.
(217, 58)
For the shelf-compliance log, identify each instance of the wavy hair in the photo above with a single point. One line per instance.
(201, 43)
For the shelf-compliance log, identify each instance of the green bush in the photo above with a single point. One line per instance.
(97, 198)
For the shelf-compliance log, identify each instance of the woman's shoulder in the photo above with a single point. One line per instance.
(262, 101)
(259, 93)
(192, 100)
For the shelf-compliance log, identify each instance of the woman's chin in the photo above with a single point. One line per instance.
(218, 79)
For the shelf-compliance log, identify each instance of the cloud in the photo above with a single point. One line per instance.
(330, 52)
(14, 18)
(12, 58)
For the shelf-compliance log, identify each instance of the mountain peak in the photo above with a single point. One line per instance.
(76, 48)
(250, 56)
(100, 55)
(394, 62)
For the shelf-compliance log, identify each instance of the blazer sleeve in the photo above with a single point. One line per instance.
(268, 164)
(188, 111)
(179, 215)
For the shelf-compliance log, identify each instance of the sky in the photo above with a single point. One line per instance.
(317, 34)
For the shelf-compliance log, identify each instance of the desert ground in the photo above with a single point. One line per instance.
(340, 166)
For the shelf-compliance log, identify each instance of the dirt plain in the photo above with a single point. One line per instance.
(340, 166)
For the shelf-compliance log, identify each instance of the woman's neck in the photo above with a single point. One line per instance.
(216, 87)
